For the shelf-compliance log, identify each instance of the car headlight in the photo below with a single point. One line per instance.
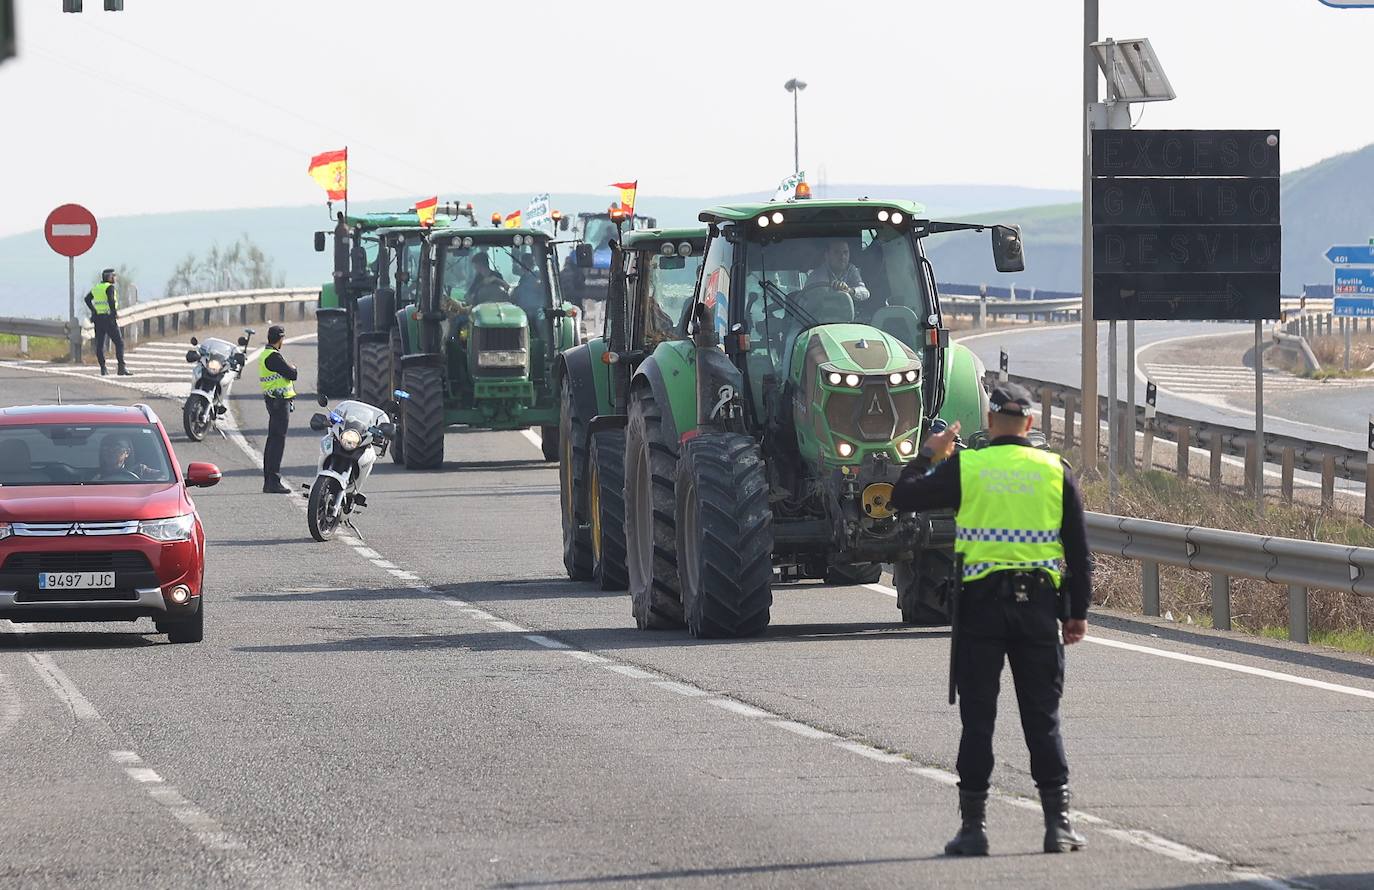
(214, 366)
(350, 439)
(5, 530)
(501, 358)
(176, 528)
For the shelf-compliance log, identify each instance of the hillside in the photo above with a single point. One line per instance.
(33, 280)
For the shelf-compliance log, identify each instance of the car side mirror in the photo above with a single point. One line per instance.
(318, 422)
(202, 475)
(319, 242)
(1007, 250)
(582, 256)
(192, 356)
(195, 342)
(321, 400)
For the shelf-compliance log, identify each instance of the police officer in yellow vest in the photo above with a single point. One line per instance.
(276, 375)
(1020, 532)
(104, 308)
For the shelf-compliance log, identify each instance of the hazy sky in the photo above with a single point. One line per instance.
(202, 104)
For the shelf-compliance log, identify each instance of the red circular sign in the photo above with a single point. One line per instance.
(71, 230)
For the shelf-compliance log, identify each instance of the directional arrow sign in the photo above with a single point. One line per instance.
(1351, 254)
(1354, 282)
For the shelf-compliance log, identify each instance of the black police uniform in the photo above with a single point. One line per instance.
(1011, 615)
(107, 328)
(278, 421)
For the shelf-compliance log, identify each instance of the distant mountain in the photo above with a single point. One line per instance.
(33, 280)
(1331, 202)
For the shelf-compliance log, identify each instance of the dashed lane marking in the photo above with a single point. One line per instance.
(802, 729)
(737, 707)
(62, 687)
(204, 828)
(546, 642)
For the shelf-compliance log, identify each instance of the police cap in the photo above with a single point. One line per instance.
(1009, 398)
(275, 333)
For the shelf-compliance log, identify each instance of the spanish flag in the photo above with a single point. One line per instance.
(425, 210)
(513, 220)
(330, 170)
(627, 195)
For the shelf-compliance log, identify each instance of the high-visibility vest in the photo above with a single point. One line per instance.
(274, 385)
(102, 299)
(1011, 507)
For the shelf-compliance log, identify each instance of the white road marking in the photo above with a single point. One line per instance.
(1208, 662)
(509, 627)
(408, 576)
(547, 642)
(534, 438)
(630, 670)
(142, 774)
(944, 777)
(589, 657)
(125, 757)
(366, 552)
(680, 688)
(871, 752)
(801, 729)
(383, 564)
(62, 687)
(11, 706)
(479, 614)
(737, 707)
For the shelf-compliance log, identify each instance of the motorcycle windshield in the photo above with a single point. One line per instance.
(358, 415)
(217, 348)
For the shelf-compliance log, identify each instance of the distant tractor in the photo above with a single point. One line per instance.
(587, 272)
(479, 344)
(653, 276)
(763, 438)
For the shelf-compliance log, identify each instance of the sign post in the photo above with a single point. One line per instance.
(1002, 365)
(71, 230)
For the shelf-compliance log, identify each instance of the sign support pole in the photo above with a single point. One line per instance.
(1259, 418)
(1088, 384)
(1347, 324)
(73, 329)
(1130, 396)
(1113, 420)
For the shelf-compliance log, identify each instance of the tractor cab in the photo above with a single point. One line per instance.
(587, 272)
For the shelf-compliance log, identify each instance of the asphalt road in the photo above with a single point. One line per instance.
(439, 706)
(1334, 412)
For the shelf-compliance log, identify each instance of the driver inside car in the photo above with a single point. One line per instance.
(116, 464)
(837, 273)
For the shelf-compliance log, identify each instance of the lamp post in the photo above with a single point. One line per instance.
(795, 86)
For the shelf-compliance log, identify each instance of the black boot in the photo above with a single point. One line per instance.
(125, 372)
(1059, 834)
(103, 373)
(972, 839)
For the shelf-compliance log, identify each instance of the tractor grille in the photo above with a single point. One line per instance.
(501, 338)
(132, 570)
(504, 339)
(873, 414)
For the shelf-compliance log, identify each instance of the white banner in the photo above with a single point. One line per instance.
(537, 213)
(789, 185)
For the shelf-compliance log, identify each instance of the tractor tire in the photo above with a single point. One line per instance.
(334, 351)
(854, 573)
(651, 459)
(548, 443)
(397, 449)
(572, 488)
(606, 509)
(923, 587)
(422, 417)
(725, 536)
(374, 372)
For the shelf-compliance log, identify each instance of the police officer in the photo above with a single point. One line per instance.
(1019, 528)
(104, 308)
(276, 375)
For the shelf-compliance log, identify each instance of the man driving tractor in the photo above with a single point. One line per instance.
(837, 273)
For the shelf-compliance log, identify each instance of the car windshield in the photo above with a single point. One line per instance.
(867, 275)
(497, 273)
(83, 454)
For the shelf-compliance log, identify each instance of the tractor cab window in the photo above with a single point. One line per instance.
(712, 305)
(599, 233)
(497, 273)
(407, 271)
(666, 289)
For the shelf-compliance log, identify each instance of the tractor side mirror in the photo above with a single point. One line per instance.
(582, 256)
(563, 224)
(1007, 249)
(192, 356)
(319, 242)
(318, 422)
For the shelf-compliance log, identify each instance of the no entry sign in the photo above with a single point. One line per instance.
(71, 230)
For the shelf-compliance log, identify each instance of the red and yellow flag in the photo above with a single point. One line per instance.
(512, 220)
(627, 195)
(330, 170)
(425, 210)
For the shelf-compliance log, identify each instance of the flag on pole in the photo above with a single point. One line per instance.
(426, 209)
(512, 220)
(330, 170)
(627, 195)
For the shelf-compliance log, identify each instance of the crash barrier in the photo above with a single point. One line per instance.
(980, 301)
(190, 312)
(1302, 565)
(1289, 453)
(1295, 346)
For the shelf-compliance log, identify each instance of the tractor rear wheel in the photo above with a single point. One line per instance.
(854, 573)
(422, 417)
(650, 516)
(334, 350)
(606, 509)
(374, 372)
(548, 443)
(923, 587)
(725, 536)
(572, 488)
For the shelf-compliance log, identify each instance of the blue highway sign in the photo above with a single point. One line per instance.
(1351, 254)
(1353, 307)
(1354, 282)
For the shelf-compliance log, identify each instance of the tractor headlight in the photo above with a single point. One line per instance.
(852, 379)
(845, 449)
(176, 528)
(912, 375)
(834, 378)
(906, 447)
(350, 439)
(467, 240)
(501, 358)
(684, 249)
(214, 366)
(895, 378)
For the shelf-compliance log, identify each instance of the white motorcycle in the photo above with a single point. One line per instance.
(358, 434)
(218, 363)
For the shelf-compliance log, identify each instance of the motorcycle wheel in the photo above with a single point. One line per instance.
(192, 419)
(322, 495)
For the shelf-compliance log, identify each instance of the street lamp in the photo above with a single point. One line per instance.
(795, 86)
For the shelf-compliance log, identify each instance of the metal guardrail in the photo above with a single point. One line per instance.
(1302, 565)
(965, 304)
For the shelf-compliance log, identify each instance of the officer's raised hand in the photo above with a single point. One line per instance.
(939, 446)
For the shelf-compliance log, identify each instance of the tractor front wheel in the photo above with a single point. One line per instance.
(606, 509)
(650, 520)
(725, 536)
(572, 488)
(548, 443)
(422, 417)
(333, 350)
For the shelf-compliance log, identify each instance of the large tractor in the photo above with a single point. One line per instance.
(587, 274)
(653, 277)
(478, 346)
(764, 440)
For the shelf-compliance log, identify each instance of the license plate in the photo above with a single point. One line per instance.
(75, 580)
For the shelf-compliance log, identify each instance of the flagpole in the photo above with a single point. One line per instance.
(345, 182)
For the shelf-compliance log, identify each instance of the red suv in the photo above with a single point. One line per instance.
(96, 523)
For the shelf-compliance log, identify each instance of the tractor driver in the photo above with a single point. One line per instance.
(837, 273)
(487, 285)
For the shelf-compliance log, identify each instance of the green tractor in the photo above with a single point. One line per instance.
(764, 439)
(587, 275)
(479, 344)
(351, 310)
(653, 277)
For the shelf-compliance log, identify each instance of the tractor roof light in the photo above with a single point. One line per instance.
(777, 217)
(882, 216)
(496, 219)
(467, 240)
(763, 221)
(684, 249)
(897, 217)
(803, 191)
(668, 250)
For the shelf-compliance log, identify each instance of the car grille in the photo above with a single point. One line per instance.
(116, 595)
(132, 571)
(62, 529)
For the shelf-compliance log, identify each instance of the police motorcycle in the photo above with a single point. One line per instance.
(357, 435)
(218, 363)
